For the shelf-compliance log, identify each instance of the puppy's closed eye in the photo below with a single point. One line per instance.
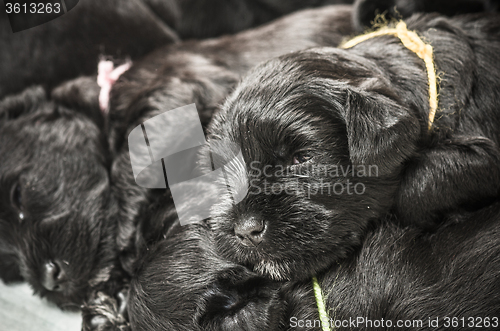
(301, 157)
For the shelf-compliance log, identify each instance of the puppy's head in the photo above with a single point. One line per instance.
(322, 137)
(184, 285)
(54, 195)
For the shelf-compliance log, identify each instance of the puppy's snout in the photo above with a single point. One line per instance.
(250, 230)
(54, 276)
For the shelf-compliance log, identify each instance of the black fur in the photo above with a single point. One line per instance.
(106, 308)
(365, 11)
(212, 18)
(70, 45)
(203, 73)
(404, 275)
(397, 275)
(56, 202)
(360, 107)
(184, 285)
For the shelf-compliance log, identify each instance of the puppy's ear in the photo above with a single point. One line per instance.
(380, 131)
(82, 95)
(25, 102)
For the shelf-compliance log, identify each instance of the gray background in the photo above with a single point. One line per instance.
(20, 310)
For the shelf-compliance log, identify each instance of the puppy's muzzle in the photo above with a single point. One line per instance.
(54, 276)
(250, 230)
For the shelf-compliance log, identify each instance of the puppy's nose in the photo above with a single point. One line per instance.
(54, 276)
(250, 230)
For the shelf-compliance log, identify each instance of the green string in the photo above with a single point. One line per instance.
(323, 315)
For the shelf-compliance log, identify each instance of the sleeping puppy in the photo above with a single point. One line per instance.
(333, 139)
(203, 73)
(184, 285)
(365, 11)
(404, 276)
(56, 225)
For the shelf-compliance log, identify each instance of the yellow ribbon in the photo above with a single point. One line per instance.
(413, 42)
(323, 315)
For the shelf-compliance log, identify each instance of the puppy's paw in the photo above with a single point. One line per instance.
(105, 313)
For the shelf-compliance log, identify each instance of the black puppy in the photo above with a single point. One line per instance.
(448, 280)
(184, 285)
(365, 11)
(203, 73)
(333, 139)
(56, 226)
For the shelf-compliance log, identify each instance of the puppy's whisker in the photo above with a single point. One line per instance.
(301, 176)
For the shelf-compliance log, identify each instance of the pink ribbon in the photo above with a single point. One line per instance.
(107, 75)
